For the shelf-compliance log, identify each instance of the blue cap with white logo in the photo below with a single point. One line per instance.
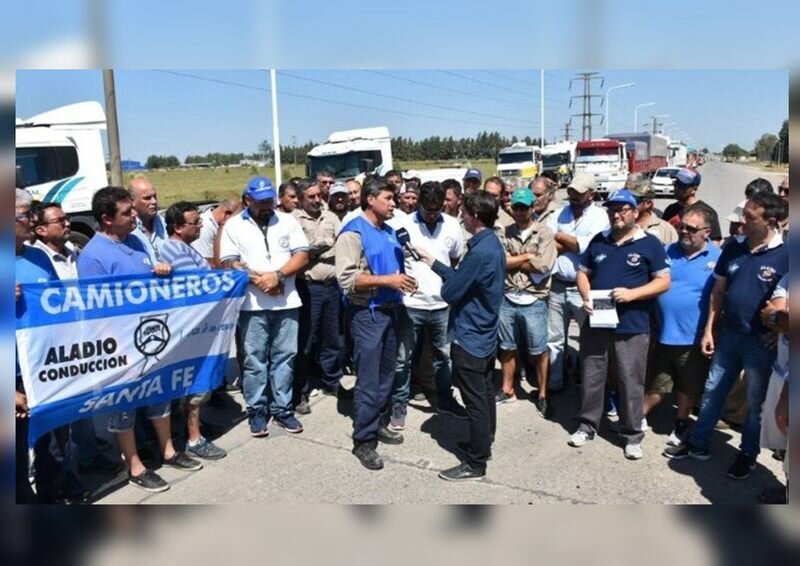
(622, 196)
(473, 174)
(259, 188)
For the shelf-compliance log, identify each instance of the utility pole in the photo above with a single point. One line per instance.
(541, 104)
(294, 150)
(566, 130)
(113, 127)
(655, 121)
(587, 96)
(276, 138)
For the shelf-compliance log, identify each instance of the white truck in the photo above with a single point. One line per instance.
(559, 158)
(59, 158)
(353, 153)
(519, 163)
(678, 154)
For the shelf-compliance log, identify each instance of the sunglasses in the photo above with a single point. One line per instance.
(59, 220)
(691, 229)
(520, 207)
(23, 216)
(782, 191)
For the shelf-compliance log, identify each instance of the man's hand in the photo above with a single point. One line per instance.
(587, 306)
(162, 269)
(403, 283)
(21, 404)
(17, 292)
(424, 256)
(766, 315)
(266, 282)
(707, 344)
(623, 295)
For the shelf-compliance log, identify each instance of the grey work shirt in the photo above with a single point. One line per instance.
(321, 233)
(350, 263)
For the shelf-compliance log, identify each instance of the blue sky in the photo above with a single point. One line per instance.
(184, 112)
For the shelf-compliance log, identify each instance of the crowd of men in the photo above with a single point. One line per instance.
(385, 276)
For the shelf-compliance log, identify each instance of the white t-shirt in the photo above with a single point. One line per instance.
(398, 220)
(593, 221)
(204, 245)
(244, 240)
(445, 244)
(781, 366)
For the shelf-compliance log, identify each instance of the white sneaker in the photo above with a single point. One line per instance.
(633, 451)
(674, 440)
(645, 425)
(314, 392)
(579, 438)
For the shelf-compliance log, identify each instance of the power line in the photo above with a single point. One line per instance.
(526, 94)
(320, 99)
(400, 98)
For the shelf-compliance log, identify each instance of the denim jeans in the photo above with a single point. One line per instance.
(735, 351)
(269, 339)
(320, 344)
(412, 326)
(523, 327)
(564, 304)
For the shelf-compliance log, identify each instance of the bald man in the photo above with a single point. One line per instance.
(150, 227)
(213, 220)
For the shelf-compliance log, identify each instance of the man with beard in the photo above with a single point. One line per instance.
(320, 342)
(632, 265)
(339, 200)
(676, 361)
(574, 226)
(272, 247)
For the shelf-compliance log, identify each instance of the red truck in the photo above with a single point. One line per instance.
(611, 159)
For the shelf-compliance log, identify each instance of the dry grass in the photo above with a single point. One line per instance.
(174, 185)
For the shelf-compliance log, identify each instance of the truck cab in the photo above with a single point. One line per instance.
(519, 162)
(606, 160)
(559, 158)
(349, 153)
(59, 158)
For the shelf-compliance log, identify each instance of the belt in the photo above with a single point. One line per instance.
(327, 283)
(564, 282)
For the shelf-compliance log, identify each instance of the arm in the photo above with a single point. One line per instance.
(457, 282)
(714, 311)
(656, 286)
(352, 279)
(566, 242)
(584, 288)
(779, 307)
(545, 259)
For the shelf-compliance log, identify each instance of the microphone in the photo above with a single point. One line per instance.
(405, 241)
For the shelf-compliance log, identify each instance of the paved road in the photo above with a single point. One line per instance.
(532, 462)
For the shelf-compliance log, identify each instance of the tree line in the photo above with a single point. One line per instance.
(769, 147)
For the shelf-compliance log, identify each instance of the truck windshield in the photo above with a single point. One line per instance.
(555, 160)
(597, 154)
(517, 157)
(45, 164)
(344, 164)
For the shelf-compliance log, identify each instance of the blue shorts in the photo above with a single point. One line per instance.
(523, 327)
(123, 422)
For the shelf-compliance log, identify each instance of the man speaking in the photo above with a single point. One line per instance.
(475, 292)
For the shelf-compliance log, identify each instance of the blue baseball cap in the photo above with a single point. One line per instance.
(688, 177)
(622, 196)
(473, 174)
(259, 188)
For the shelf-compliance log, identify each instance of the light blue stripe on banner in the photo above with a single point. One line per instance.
(180, 379)
(60, 302)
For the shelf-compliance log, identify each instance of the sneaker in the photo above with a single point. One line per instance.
(633, 451)
(419, 396)
(742, 466)
(611, 404)
(388, 436)
(101, 465)
(149, 481)
(258, 426)
(678, 434)
(303, 408)
(502, 398)
(645, 425)
(544, 408)
(367, 455)
(181, 461)
(686, 451)
(579, 438)
(397, 418)
(451, 407)
(462, 472)
(773, 496)
(290, 423)
(206, 450)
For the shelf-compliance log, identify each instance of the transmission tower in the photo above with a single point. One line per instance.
(567, 127)
(587, 97)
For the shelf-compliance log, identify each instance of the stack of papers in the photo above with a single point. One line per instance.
(604, 310)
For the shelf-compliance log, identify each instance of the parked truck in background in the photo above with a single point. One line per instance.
(559, 158)
(612, 159)
(364, 151)
(59, 158)
(678, 154)
(519, 163)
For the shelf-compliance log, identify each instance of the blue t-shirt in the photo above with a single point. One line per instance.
(104, 256)
(630, 265)
(683, 310)
(751, 278)
(181, 256)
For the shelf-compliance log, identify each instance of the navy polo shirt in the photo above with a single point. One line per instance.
(632, 264)
(751, 279)
(683, 310)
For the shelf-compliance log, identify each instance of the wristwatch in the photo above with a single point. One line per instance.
(281, 276)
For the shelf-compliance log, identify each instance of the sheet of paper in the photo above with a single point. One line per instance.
(604, 310)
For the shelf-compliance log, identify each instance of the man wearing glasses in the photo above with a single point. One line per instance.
(676, 360)
(633, 266)
(325, 180)
(440, 235)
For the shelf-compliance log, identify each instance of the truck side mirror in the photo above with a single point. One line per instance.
(21, 183)
(367, 165)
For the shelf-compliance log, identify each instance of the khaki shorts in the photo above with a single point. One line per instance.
(684, 367)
